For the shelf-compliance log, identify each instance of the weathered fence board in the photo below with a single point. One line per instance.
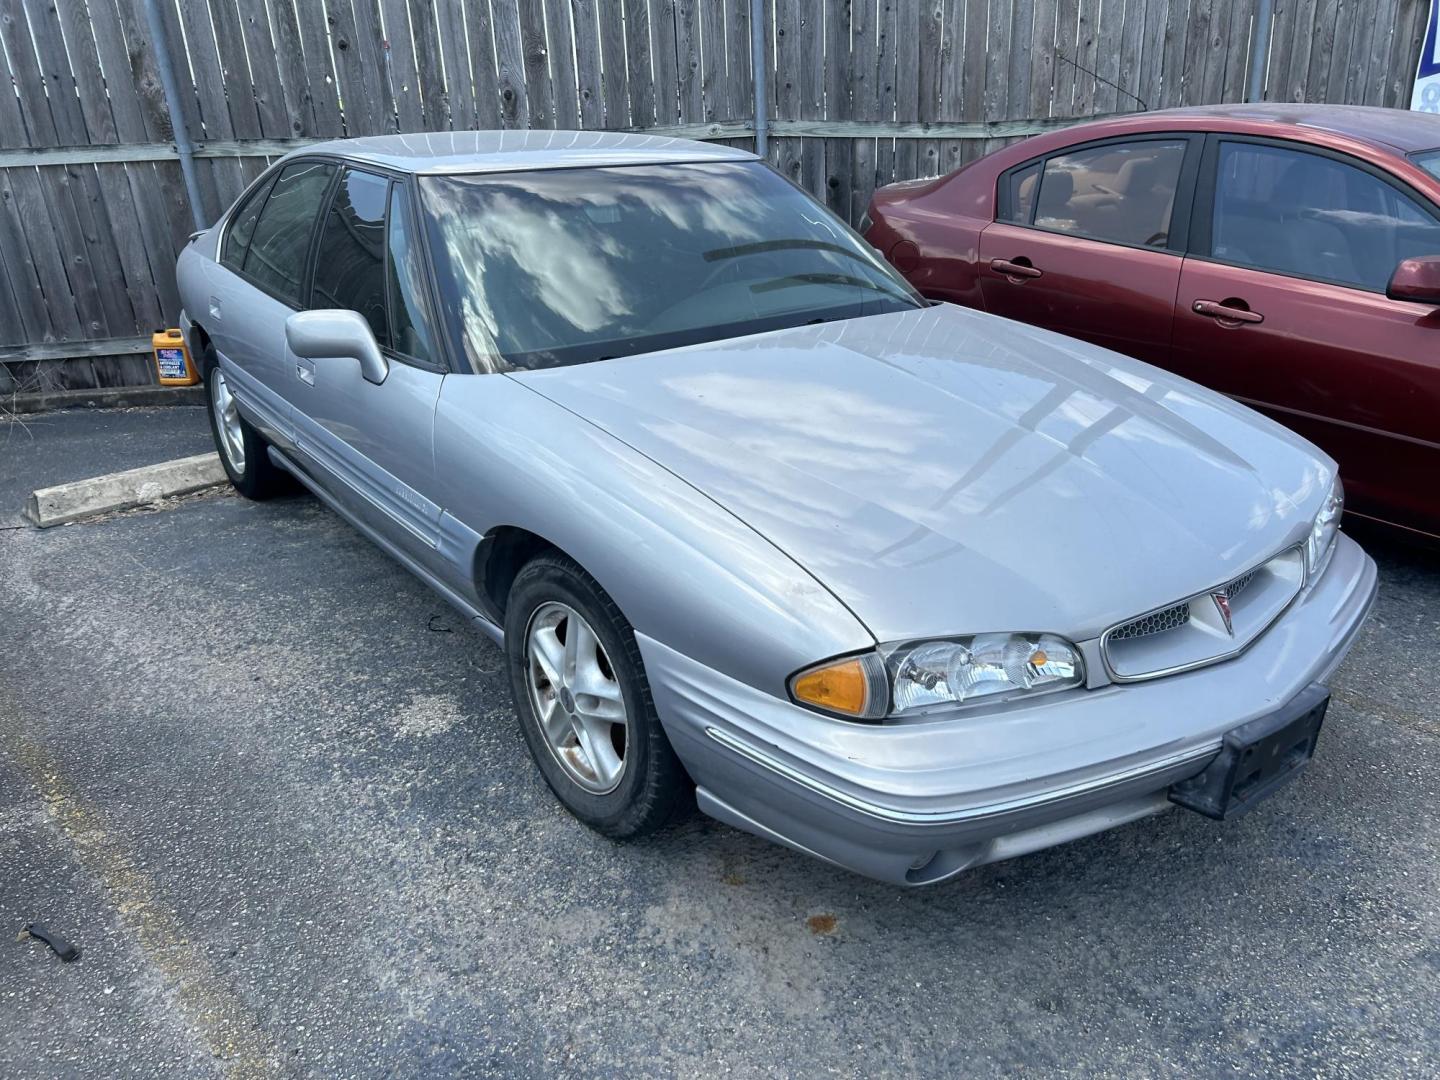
(862, 92)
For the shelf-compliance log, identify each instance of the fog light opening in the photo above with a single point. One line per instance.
(920, 865)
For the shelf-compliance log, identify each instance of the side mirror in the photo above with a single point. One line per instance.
(318, 334)
(1417, 280)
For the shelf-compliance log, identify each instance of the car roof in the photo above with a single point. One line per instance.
(1394, 129)
(506, 151)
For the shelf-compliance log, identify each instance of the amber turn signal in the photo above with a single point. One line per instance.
(846, 687)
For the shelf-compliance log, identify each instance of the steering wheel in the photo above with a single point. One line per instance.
(1158, 240)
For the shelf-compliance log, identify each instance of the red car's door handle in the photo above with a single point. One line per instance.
(1014, 269)
(1226, 313)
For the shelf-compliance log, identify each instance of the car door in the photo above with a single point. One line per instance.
(1088, 240)
(1282, 305)
(258, 285)
(368, 445)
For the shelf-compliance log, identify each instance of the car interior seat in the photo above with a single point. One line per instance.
(1057, 191)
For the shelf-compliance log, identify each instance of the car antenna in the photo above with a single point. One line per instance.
(1107, 82)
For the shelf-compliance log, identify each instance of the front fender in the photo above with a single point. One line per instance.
(684, 570)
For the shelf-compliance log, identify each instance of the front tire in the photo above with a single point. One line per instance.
(243, 450)
(584, 703)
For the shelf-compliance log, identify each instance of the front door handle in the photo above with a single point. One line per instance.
(1013, 269)
(1224, 313)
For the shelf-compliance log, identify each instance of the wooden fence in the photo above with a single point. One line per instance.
(860, 92)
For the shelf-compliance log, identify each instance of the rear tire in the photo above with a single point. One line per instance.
(243, 450)
(575, 668)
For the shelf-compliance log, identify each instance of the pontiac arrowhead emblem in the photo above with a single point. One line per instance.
(1222, 604)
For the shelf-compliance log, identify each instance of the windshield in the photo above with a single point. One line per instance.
(565, 266)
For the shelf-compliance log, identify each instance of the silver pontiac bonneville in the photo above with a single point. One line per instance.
(906, 587)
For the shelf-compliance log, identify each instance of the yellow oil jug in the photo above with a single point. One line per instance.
(172, 359)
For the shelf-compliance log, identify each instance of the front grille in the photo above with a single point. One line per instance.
(1157, 622)
(1198, 630)
(1173, 618)
(1236, 587)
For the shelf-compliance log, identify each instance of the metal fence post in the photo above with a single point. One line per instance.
(757, 67)
(183, 146)
(1260, 51)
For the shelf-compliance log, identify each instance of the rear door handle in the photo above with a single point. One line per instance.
(1013, 269)
(1226, 313)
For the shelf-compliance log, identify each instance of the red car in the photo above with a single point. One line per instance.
(1287, 255)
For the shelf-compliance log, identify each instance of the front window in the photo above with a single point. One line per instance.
(566, 266)
(350, 264)
(1309, 215)
(281, 239)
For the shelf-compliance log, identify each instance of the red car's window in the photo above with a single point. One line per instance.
(1020, 203)
(1120, 192)
(1314, 217)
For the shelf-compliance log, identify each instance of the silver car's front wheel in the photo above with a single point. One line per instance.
(227, 421)
(585, 706)
(576, 697)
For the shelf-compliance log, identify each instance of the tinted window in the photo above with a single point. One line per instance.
(1313, 216)
(407, 311)
(572, 265)
(1429, 160)
(276, 260)
(1122, 193)
(242, 225)
(1020, 199)
(350, 264)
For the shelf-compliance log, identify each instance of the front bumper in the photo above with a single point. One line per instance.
(915, 804)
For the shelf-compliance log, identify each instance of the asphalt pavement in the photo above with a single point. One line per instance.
(274, 790)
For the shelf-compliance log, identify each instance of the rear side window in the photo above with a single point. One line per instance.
(1122, 193)
(350, 265)
(242, 225)
(281, 240)
(406, 283)
(1312, 216)
(1019, 201)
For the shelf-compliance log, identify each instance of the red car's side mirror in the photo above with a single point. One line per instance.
(1417, 280)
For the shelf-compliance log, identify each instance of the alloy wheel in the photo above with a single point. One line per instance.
(577, 699)
(227, 421)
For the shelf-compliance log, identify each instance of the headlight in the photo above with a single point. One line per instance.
(917, 678)
(1322, 532)
(940, 673)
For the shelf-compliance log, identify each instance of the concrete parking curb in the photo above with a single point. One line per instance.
(115, 397)
(123, 490)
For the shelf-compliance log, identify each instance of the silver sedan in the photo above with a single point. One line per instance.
(906, 587)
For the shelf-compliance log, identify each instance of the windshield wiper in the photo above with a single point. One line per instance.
(791, 281)
(759, 247)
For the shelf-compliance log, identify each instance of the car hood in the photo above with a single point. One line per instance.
(943, 471)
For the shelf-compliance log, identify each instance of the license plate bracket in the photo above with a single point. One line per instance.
(1256, 759)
